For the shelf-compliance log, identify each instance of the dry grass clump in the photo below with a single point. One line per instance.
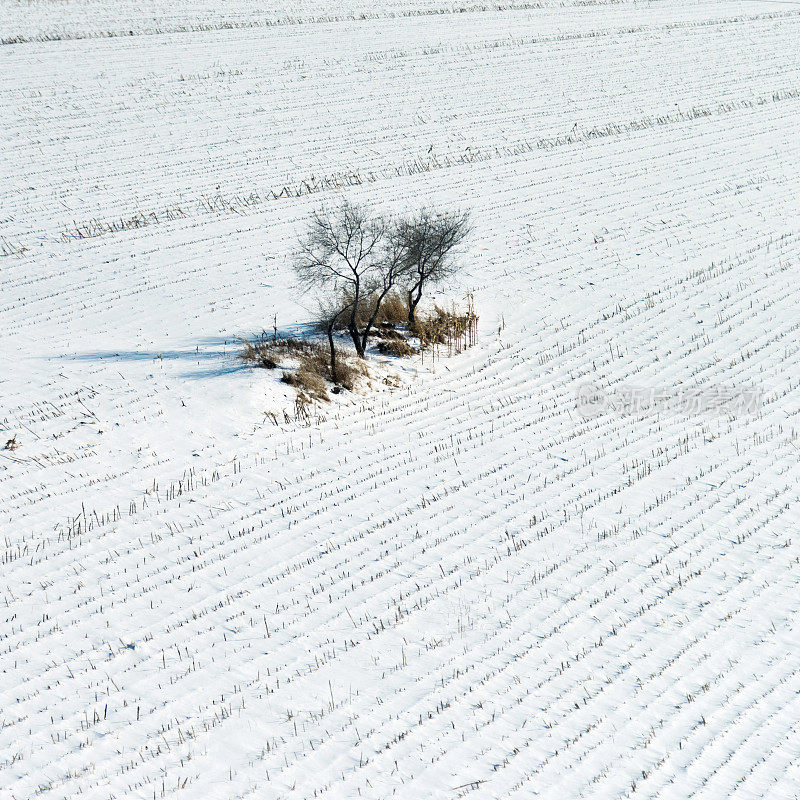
(391, 342)
(393, 310)
(386, 330)
(309, 367)
(269, 353)
(398, 348)
(309, 385)
(349, 370)
(454, 329)
(260, 354)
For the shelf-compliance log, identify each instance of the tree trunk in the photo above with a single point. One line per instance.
(373, 317)
(352, 328)
(334, 376)
(413, 302)
(356, 340)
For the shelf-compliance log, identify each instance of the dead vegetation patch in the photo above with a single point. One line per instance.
(314, 369)
(397, 348)
(393, 310)
(307, 383)
(306, 366)
(454, 329)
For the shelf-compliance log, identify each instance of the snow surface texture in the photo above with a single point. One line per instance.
(459, 587)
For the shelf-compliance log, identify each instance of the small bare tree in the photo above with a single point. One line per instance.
(348, 256)
(341, 254)
(429, 242)
(392, 270)
(331, 314)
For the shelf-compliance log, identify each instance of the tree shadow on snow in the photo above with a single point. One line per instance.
(211, 357)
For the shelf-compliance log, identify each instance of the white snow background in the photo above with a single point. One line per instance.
(461, 586)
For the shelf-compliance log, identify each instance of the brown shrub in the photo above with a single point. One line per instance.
(394, 309)
(269, 353)
(307, 383)
(452, 328)
(313, 371)
(260, 354)
(386, 331)
(397, 347)
(349, 370)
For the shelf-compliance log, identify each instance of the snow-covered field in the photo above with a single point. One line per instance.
(463, 585)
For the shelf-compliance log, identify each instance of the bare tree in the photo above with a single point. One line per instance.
(329, 319)
(348, 256)
(429, 241)
(392, 270)
(340, 254)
